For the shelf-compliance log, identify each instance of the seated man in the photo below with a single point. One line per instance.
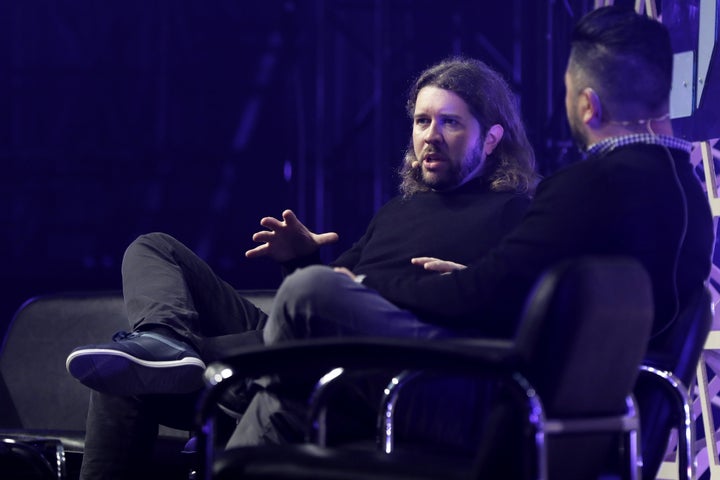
(465, 183)
(634, 194)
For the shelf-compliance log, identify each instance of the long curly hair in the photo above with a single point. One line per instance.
(511, 166)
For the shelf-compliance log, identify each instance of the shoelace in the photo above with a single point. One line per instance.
(122, 335)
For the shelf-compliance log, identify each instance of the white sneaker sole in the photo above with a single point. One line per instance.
(145, 363)
(119, 373)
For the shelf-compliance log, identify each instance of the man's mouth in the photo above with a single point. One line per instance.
(433, 160)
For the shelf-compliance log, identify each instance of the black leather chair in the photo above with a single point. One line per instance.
(569, 374)
(40, 401)
(662, 394)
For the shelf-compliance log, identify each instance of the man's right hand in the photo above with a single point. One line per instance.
(287, 239)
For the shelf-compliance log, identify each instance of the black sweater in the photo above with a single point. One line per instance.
(458, 225)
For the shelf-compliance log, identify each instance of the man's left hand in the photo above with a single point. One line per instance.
(436, 264)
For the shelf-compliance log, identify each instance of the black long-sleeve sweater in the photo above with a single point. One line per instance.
(457, 225)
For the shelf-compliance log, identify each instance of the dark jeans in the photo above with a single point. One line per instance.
(121, 434)
(165, 283)
(317, 302)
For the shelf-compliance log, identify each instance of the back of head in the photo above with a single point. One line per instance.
(489, 98)
(626, 58)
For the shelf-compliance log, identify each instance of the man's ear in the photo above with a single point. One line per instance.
(492, 138)
(591, 108)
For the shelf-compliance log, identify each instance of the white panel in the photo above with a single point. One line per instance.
(706, 42)
(681, 95)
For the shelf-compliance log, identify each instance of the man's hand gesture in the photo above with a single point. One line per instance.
(436, 265)
(287, 239)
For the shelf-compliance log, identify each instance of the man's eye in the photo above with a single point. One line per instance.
(421, 121)
(450, 121)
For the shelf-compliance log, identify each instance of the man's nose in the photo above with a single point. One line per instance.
(433, 134)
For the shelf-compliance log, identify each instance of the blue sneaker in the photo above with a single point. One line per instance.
(138, 363)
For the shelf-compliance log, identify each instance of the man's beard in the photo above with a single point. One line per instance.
(456, 174)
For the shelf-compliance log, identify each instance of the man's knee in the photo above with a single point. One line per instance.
(152, 240)
(157, 242)
(309, 285)
(302, 294)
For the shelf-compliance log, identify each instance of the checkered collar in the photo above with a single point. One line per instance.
(609, 144)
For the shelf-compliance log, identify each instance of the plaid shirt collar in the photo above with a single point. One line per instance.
(609, 144)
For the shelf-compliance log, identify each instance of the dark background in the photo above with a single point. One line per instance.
(198, 118)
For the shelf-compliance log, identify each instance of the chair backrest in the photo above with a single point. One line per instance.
(583, 335)
(585, 331)
(36, 392)
(32, 359)
(676, 350)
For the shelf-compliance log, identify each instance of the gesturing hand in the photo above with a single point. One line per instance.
(287, 239)
(437, 265)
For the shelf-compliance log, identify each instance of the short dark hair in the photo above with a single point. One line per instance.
(511, 166)
(624, 56)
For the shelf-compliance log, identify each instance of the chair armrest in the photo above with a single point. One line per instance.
(487, 358)
(369, 352)
(465, 356)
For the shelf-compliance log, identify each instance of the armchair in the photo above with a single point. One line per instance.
(569, 374)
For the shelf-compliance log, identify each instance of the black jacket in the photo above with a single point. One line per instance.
(632, 201)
